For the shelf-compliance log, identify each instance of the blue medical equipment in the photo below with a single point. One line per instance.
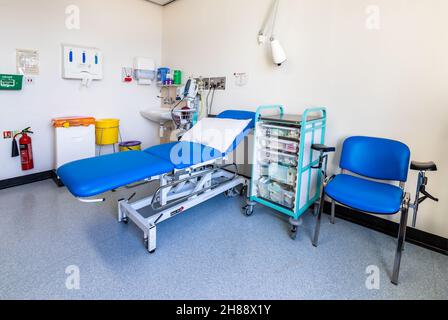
(188, 173)
(283, 175)
(162, 74)
(379, 159)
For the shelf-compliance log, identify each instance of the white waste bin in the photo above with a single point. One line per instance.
(75, 139)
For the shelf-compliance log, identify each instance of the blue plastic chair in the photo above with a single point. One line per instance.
(371, 158)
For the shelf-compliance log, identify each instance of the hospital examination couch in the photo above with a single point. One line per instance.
(189, 174)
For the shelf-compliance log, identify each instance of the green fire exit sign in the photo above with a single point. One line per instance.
(11, 82)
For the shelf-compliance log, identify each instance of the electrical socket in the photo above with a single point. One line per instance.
(219, 83)
(29, 80)
(205, 83)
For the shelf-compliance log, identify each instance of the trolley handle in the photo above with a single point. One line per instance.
(307, 112)
(263, 108)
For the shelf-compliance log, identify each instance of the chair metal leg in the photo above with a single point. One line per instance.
(401, 239)
(318, 221)
(333, 212)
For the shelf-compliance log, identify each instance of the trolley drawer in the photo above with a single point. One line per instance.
(267, 156)
(271, 130)
(279, 144)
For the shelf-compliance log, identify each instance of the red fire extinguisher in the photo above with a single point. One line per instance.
(26, 149)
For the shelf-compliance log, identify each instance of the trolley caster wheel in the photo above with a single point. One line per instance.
(125, 220)
(248, 211)
(152, 252)
(293, 232)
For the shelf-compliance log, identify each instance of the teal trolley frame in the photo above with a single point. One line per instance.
(312, 128)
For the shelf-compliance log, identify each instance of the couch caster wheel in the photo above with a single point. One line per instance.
(146, 242)
(248, 210)
(232, 193)
(243, 191)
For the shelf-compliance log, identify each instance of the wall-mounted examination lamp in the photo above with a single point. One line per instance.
(278, 53)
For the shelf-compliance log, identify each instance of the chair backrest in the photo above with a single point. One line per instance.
(376, 158)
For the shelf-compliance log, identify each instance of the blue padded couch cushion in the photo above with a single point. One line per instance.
(376, 158)
(239, 115)
(91, 177)
(184, 154)
(365, 195)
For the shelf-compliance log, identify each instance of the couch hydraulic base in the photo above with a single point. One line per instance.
(128, 211)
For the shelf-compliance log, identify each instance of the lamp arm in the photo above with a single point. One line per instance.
(274, 21)
(267, 18)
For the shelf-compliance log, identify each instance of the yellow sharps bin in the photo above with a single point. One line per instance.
(107, 131)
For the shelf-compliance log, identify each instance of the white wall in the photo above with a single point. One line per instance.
(391, 82)
(122, 29)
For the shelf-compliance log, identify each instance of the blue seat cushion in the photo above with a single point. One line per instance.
(184, 154)
(91, 177)
(365, 195)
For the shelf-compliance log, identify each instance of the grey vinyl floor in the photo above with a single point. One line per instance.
(209, 252)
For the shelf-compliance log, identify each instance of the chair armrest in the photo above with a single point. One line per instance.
(328, 180)
(423, 166)
(323, 148)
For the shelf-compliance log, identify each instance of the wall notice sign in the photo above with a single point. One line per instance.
(27, 62)
(11, 82)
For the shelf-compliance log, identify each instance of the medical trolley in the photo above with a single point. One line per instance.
(284, 175)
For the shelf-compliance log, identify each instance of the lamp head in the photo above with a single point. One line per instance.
(278, 54)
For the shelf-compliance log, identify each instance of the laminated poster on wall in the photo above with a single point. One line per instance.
(27, 62)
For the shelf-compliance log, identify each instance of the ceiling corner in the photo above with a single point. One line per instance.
(161, 2)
